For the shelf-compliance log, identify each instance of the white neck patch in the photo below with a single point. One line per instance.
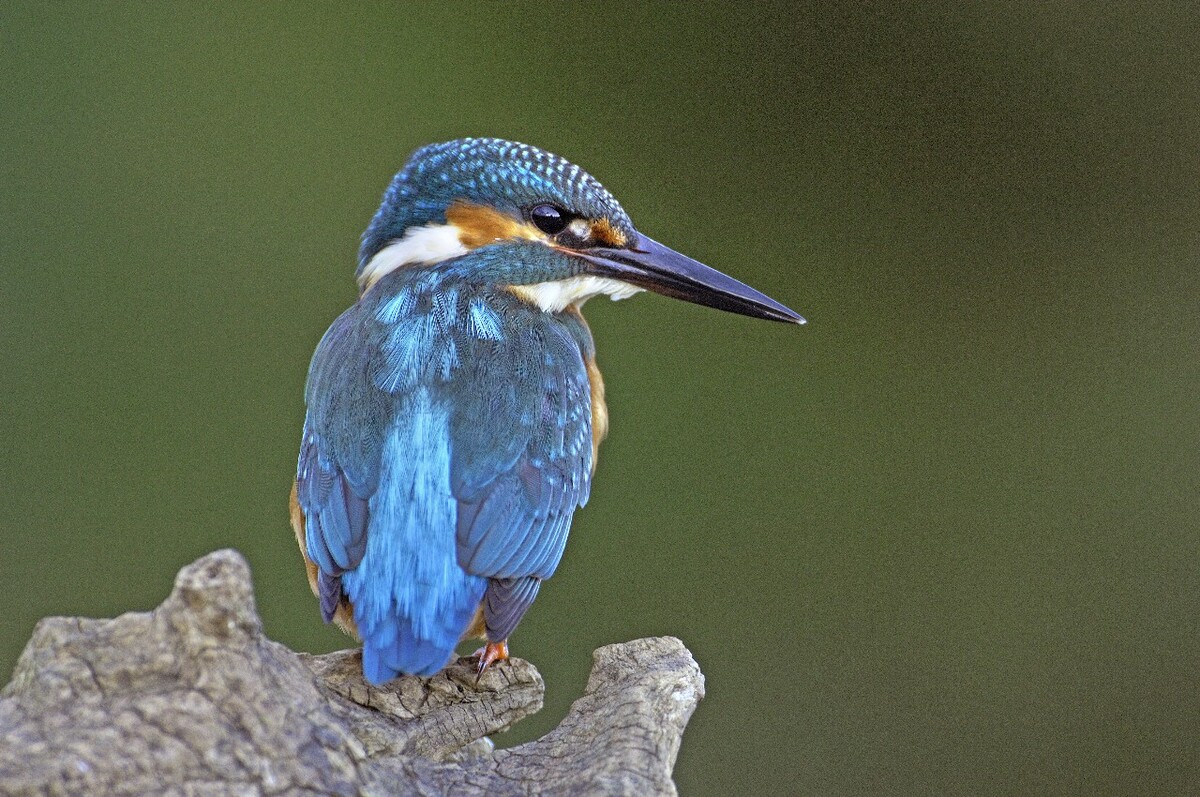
(420, 246)
(558, 295)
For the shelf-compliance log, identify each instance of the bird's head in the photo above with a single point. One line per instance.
(538, 224)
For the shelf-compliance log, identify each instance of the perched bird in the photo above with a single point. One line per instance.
(455, 410)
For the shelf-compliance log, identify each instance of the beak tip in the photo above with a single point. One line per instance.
(786, 315)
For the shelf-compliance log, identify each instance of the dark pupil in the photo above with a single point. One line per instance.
(549, 219)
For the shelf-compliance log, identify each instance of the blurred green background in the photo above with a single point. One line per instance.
(942, 540)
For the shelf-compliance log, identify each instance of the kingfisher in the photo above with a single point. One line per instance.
(454, 413)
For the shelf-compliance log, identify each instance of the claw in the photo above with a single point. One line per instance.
(489, 654)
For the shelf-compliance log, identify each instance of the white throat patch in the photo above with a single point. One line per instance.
(420, 246)
(558, 295)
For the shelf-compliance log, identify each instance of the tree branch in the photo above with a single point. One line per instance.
(193, 698)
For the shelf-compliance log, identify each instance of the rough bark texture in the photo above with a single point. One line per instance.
(192, 699)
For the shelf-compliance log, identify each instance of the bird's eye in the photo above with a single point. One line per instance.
(549, 219)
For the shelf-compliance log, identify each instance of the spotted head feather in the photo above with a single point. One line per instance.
(503, 175)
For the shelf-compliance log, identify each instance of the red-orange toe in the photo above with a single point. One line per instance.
(489, 654)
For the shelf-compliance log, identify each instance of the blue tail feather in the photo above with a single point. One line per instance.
(393, 646)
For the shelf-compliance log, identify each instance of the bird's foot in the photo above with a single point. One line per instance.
(489, 654)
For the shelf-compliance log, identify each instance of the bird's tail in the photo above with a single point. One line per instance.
(394, 646)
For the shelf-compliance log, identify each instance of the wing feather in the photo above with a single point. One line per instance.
(505, 603)
(513, 517)
(334, 475)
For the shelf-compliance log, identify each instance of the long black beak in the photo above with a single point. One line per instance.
(648, 264)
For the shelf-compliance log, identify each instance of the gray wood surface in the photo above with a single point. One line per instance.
(193, 699)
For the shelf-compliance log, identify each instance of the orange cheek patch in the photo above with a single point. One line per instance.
(479, 226)
(606, 234)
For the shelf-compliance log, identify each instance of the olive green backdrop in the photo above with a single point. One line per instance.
(941, 540)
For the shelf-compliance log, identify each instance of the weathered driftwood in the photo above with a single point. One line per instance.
(193, 699)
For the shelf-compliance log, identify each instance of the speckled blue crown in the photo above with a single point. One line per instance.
(487, 171)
